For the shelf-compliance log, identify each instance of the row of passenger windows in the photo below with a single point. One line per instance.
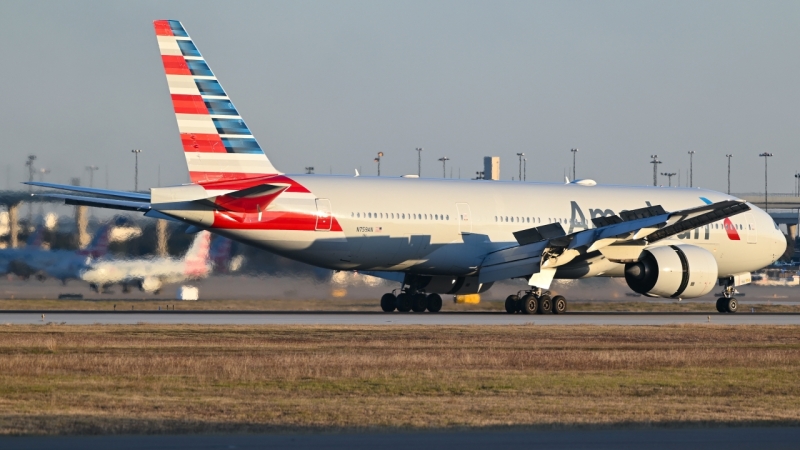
(509, 219)
(401, 216)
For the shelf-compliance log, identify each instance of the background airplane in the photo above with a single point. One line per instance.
(150, 274)
(33, 260)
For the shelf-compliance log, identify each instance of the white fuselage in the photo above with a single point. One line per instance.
(446, 227)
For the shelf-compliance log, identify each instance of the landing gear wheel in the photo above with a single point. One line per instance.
(530, 304)
(545, 304)
(404, 302)
(559, 304)
(730, 305)
(434, 303)
(721, 305)
(388, 302)
(512, 304)
(419, 303)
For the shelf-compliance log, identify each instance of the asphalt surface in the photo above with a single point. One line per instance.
(379, 318)
(652, 439)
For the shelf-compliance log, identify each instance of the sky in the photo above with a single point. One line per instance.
(329, 84)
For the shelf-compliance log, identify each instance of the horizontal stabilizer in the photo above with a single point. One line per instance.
(124, 205)
(125, 195)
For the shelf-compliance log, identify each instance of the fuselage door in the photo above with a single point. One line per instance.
(752, 232)
(323, 214)
(464, 218)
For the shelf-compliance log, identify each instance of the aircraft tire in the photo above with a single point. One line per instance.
(419, 303)
(512, 304)
(559, 304)
(545, 305)
(731, 305)
(721, 305)
(404, 302)
(388, 302)
(530, 304)
(434, 303)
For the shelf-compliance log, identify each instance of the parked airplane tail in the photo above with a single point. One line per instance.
(217, 144)
(196, 258)
(36, 239)
(221, 253)
(98, 246)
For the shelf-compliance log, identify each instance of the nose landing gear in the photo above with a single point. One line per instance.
(536, 301)
(727, 303)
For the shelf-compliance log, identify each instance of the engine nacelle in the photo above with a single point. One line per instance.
(684, 271)
(150, 285)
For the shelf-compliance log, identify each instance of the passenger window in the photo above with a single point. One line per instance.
(447, 217)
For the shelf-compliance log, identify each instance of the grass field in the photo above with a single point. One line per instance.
(644, 305)
(171, 379)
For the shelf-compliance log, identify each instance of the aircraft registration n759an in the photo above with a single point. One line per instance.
(439, 236)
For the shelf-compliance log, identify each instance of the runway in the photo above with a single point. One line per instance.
(378, 318)
(656, 439)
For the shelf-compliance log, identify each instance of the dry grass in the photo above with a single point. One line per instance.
(654, 305)
(152, 379)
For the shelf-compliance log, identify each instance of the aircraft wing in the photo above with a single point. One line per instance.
(620, 238)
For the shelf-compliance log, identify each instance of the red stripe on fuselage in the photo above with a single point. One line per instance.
(188, 104)
(162, 28)
(175, 65)
(203, 143)
(270, 220)
(731, 230)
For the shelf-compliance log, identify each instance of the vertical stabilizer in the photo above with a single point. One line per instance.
(216, 142)
(196, 258)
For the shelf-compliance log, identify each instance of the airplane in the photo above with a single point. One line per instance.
(441, 236)
(60, 264)
(151, 274)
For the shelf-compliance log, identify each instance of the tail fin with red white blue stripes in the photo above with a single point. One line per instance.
(217, 143)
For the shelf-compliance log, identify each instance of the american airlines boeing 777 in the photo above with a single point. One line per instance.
(439, 236)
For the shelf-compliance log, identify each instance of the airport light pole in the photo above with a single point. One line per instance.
(766, 199)
(797, 183)
(29, 163)
(520, 165)
(729, 156)
(444, 160)
(691, 172)
(574, 152)
(524, 169)
(91, 170)
(669, 176)
(309, 170)
(136, 169)
(419, 161)
(655, 162)
(378, 160)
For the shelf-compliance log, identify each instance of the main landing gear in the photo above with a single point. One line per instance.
(726, 303)
(411, 301)
(536, 301)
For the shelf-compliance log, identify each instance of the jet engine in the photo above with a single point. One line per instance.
(684, 271)
(151, 285)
